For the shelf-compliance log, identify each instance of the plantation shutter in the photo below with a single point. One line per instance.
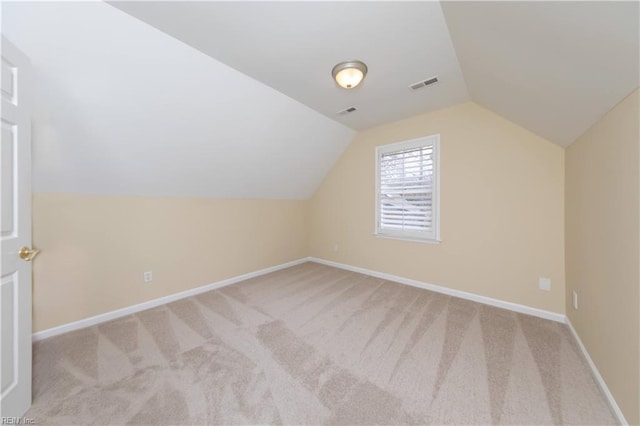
(406, 190)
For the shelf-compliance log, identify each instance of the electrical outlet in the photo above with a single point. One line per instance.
(148, 276)
(336, 247)
(575, 300)
(544, 284)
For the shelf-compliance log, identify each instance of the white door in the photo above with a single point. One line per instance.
(15, 215)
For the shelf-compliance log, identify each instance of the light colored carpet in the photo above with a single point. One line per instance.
(317, 345)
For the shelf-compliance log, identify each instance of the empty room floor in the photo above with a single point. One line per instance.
(313, 344)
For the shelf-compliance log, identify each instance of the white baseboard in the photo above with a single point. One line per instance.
(108, 316)
(598, 377)
(523, 309)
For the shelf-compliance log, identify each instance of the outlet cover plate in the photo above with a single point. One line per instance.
(544, 284)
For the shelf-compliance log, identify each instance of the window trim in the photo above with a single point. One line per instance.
(414, 236)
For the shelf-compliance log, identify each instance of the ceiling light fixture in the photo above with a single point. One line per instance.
(349, 74)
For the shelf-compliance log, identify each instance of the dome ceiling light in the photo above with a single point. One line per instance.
(349, 74)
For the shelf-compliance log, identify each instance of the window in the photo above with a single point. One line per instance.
(407, 189)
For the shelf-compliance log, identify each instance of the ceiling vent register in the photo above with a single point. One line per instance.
(424, 83)
(347, 110)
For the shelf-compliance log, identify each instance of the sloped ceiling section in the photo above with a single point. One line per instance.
(122, 108)
(552, 67)
(292, 47)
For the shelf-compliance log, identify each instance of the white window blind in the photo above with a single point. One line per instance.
(407, 189)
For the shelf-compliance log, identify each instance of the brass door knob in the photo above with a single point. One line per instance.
(27, 253)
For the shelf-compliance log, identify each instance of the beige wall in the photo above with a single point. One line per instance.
(502, 209)
(603, 248)
(96, 248)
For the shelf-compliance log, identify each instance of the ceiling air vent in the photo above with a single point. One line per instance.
(424, 83)
(347, 110)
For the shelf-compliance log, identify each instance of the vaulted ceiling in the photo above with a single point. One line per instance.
(292, 47)
(552, 67)
(235, 99)
(120, 108)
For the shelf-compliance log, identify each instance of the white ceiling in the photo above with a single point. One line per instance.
(292, 47)
(122, 108)
(552, 67)
(249, 109)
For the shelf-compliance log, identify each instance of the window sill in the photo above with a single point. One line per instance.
(410, 239)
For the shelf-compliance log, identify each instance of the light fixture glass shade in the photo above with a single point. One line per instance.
(349, 74)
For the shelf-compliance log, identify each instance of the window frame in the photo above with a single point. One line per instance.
(432, 237)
